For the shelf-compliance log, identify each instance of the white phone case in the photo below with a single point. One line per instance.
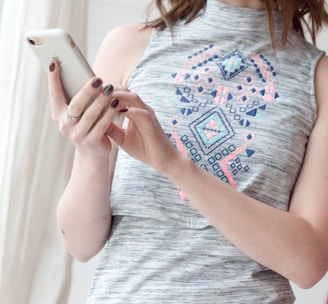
(58, 45)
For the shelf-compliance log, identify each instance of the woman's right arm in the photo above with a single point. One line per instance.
(83, 214)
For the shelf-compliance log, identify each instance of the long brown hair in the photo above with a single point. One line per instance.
(301, 15)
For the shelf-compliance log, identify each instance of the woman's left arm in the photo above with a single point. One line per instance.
(293, 243)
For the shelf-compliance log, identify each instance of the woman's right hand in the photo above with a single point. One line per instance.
(86, 118)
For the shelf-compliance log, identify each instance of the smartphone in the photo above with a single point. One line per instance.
(56, 44)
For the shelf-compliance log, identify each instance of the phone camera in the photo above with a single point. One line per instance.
(36, 41)
(31, 41)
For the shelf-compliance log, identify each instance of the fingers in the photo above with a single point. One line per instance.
(84, 99)
(87, 117)
(141, 115)
(90, 113)
(98, 116)
(128, 99)
(79, 102)
(116, 133)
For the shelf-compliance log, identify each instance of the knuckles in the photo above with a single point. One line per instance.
(75, 108)
(77, 137)
(63, 129)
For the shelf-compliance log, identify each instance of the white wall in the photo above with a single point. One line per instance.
(104, 15)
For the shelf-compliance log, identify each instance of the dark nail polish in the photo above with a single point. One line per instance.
(96, 83)
(123, 110)
(114, 103)
(108, 89)
(52, 66)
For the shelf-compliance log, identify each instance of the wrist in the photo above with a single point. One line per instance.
(179, 168)
(92, 162)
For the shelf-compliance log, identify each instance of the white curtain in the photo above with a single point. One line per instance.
(35, 161)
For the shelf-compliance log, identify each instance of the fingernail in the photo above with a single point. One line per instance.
(123, 110)
(96, 83)
(52, 66)
(114, 103)
(108, 89)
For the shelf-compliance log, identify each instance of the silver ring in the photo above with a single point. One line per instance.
(72, 117)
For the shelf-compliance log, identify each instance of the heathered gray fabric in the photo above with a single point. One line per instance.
(241, 112)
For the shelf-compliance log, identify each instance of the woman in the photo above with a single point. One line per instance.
(219, 193)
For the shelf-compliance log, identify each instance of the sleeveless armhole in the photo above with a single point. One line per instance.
(314, 103)
(148, 47)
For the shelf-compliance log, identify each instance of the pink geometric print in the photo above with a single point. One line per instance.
(221, 97)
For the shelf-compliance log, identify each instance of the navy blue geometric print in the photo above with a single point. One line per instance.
(211, 130)
(221, 113)
(232, 64)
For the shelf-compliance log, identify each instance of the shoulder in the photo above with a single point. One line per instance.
(120, 51)
(128, 35)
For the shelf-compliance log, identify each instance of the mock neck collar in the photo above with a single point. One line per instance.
(231, 17)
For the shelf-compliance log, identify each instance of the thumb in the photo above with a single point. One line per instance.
(116, 133)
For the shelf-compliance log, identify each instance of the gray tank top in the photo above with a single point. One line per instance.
(240, 111)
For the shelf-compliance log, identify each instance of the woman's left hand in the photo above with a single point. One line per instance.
(143, 138)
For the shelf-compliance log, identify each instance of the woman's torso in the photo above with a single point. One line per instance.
(240, 111)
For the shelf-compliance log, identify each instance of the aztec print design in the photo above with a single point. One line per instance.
(218, 93)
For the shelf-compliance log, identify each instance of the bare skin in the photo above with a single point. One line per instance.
(293, 243)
